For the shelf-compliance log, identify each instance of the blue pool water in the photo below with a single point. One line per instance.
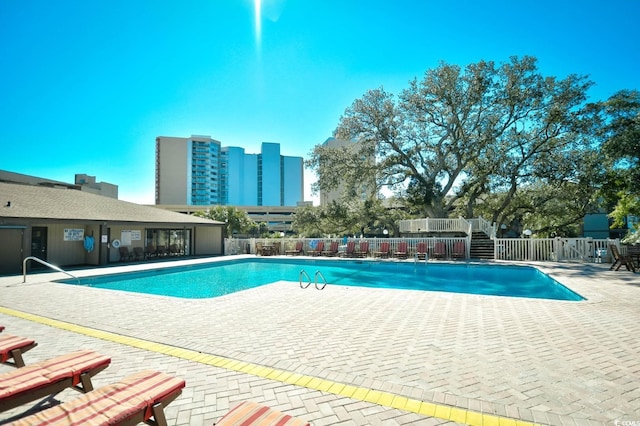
(220, 278)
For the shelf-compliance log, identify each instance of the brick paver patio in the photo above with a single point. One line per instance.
(541, 361)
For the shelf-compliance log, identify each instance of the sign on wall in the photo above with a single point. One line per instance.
(128, 236)
(73, 234)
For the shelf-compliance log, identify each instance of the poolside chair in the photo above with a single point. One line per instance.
(421, 251)
(439, 250)
(401, 252)
(620, 259)
(150, 251)
(363, 249)
(1, 328)
(319, 247)
(12, 347)
(249, 413)
(350, 249)
(296, 251)
(459, 251)
(124, 253)
(138, 398)
(41, 379)
(383, 250)
(333, 249)
(138, 253)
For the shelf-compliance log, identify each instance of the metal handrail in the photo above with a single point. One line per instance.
(323, 279)
(24, 268)
(303, 272)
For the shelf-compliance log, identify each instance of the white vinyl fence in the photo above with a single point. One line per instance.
(553, 249)
(282, 245)
(516, 249)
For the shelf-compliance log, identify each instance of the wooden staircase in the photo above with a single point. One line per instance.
(482, 247)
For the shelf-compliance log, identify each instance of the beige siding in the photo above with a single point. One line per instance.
(208, 240)
(61, 252)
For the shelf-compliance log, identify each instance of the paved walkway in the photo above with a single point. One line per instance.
(358, 356)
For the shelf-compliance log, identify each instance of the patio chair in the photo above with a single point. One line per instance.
(439, 250)
(12, 347)
(333, 249)
(41, 379)
(363, 249)
(459, 251)
(1, 328)
(620, 259)
(138, 253)
(150, 251)
(421, 251)
(350, 249)
(136, 399)
(249, 413)
(401, 252)
(383, 250)
(124, 253)
(296, 251)
(317, 250)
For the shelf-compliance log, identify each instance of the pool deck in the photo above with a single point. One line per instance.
(357, 356)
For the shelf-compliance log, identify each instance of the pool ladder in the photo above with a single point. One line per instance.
(318, 286)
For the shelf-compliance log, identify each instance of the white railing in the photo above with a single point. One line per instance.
(515, 249)
(282, 245)
(414, 226)
(552, 249)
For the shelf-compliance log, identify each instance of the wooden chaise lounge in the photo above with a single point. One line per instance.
(138, 398)
(12, 347)
(250, 413)
(41, 379)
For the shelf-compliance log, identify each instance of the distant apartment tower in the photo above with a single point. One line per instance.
(199, 171)
(187, 170)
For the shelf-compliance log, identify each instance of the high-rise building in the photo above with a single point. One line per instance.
(199, 171)
(187, 170)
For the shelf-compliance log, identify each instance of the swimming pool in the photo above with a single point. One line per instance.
(225, 277)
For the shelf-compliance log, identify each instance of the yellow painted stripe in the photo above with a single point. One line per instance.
(386, 399)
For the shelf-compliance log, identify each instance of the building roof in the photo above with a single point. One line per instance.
(38, 202)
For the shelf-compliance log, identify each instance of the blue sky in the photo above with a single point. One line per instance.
(86, 86)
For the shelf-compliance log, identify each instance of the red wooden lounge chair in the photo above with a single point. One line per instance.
(45, 378)
(401, 252)
(136, 399)
(350, 250)
(333, 249)
(439, 250)
(249, 413)
(12, 347)
(318, 249)
(296, 251)
(421, 250)
(363, 249)
(383, 250)
(1, 328)
(459, 250)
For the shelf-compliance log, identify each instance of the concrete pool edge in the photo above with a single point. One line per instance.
(367, 394)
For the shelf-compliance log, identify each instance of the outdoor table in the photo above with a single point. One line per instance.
(267, 250)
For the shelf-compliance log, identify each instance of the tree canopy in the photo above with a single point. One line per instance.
(237, 220)
(502, 136)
